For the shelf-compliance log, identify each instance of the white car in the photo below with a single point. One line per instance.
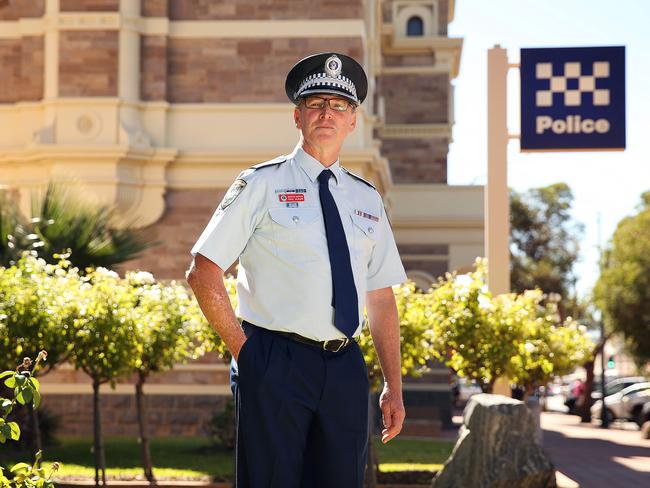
(621, 404)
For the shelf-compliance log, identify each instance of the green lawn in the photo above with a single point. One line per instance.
(194, 458)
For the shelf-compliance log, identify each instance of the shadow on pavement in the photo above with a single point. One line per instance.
(596, 463)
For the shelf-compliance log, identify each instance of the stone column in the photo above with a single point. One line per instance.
(129, 74)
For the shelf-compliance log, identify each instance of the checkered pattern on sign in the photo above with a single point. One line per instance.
(572, 84)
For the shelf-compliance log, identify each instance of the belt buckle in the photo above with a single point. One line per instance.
(342, 344)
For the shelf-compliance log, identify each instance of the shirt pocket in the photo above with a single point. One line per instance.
(297, 235)
(365, 236)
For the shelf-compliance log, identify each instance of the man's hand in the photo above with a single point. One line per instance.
(392, 413)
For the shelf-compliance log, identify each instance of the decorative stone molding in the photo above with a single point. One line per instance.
(414, 131)
(427, 10)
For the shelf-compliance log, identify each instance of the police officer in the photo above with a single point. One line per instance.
(315, 249)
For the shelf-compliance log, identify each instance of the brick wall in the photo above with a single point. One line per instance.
(89, 5)
(88, 64)
(415, 98)
(21, 76)
(187, 212)
(31, 68)
(15, 10)
(417, 160)
(167, 415)
(264, 9)
(241, 70)
(153, 8)
(153, 68)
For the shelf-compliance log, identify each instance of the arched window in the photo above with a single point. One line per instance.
(415, 26)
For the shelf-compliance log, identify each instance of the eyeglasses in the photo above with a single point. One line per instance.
(336, 104)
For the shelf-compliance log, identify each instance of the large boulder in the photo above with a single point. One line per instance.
(496, 448)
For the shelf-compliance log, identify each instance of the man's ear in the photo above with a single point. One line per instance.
(353, 121)
(296, 118)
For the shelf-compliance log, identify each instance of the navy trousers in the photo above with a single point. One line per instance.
(302, 414)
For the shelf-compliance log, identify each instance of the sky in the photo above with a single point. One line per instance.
(606, 185)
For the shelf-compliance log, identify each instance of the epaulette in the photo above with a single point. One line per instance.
(359, 178)
(272, 162)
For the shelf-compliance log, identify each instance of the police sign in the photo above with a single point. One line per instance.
(573, 98)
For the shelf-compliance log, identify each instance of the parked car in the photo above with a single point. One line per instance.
(616, 404)
(615, 385)
(643, 419)
(634, 403)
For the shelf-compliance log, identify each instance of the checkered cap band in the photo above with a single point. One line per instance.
(326, 82)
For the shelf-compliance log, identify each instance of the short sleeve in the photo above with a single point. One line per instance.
(385, 267)
(233, 223)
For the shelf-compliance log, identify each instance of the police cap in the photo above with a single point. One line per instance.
(331, 73)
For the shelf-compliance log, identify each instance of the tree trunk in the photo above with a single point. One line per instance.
(100, 458)
(371, 466)
(142, 425)
(585, 407)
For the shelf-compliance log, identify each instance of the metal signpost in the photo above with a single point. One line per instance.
(571, 99)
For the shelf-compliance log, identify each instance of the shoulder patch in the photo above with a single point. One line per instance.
(272, 162)
(233, 192)
(359, 178)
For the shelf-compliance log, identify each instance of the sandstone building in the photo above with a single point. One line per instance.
(156, 106)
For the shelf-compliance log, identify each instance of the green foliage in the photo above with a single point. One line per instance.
(63, 223)
(545, 244)
(25, 389)
(170, 328)
(519, 335)
(622, 291)
(415, 319)
(35, 311)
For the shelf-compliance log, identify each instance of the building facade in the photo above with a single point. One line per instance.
(157, 105)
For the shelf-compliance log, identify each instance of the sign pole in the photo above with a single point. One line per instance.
(497, 207)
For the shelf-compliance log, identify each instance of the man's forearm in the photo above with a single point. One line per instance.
(384, 328)
(206, 280)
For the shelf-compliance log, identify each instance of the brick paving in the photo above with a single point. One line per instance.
(597, 458)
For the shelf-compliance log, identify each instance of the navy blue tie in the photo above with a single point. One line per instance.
(345, 300)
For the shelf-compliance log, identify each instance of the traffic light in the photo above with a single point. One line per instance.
(611, 363)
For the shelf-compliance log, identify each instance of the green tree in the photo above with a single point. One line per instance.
(25, 389)
(65, 223)
(170, 330)
(104, 339)
(89, 232)
(518, 335)
(622, 291)
(34, 310)
(544, 244)
(470, 332)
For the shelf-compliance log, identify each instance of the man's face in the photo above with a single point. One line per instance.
(325, 126)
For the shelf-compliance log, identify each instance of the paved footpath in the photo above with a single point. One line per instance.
(596, 458)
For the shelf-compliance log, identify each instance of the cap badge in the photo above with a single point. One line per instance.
(333, 66)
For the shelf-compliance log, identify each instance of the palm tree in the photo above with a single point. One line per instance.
(66, 224)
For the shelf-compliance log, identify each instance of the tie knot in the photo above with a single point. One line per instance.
(324, 177)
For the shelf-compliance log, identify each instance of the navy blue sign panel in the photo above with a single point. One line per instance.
(573, 98)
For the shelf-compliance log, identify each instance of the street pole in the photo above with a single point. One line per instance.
(497, 208)
(604, 417)
(497, 204)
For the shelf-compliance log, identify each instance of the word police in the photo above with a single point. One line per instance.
(572, 124)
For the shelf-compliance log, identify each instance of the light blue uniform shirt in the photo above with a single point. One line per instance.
(271, 219)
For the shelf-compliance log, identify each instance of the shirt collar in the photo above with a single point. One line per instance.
(312, 166)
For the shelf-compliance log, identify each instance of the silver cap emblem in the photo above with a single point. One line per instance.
(333, 66)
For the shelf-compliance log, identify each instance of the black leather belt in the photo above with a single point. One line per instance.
(333, 345)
